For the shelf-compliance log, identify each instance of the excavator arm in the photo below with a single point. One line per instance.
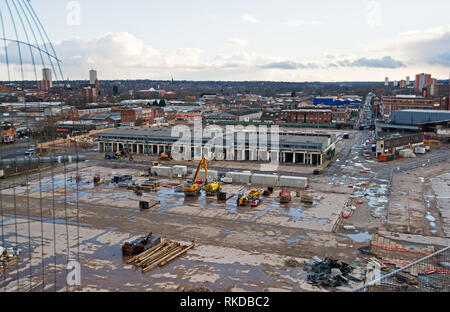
(202, 164)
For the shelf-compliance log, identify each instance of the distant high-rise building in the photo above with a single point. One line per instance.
(434, 87)
(408, 80)
(46, 83)
(403, 84)
(89, 94)
(395, 83)
(422, 81)
(386, 81)
(92, 76)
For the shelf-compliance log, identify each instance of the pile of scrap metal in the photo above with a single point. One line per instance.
(8, 257)
(329, 272)
(159, 255)
(140, 245)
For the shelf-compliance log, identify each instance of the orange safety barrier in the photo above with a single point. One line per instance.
(394, 262)
(401, 249)
(440, 271)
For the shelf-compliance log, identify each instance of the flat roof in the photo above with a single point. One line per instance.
(428, 111)
(163, 132)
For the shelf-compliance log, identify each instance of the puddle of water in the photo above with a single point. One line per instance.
(430, 218)
(360, 237)
(296, 213)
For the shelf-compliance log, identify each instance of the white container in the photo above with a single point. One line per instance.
(162, 171)
(406, 153)
(295, 182)
(264, 179)
(179, 170)
(239, 177)
(420, 150)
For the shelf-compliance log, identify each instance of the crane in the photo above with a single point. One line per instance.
(193, 189)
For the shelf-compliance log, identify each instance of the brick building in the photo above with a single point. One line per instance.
(321, 116)
(138, 116)
(389, 104)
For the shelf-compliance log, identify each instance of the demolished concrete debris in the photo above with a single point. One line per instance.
(330, 272)
(8, 257)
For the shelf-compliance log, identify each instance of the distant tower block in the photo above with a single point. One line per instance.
(46, 82)
(92, 76)
(408, 80)
(386, 81)
(93, 79)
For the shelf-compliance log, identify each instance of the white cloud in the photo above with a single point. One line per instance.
(124, 56)
(295, 23)
(249, 18)
(421, 47)
(238, 41)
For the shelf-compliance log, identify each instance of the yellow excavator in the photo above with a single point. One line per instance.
(213, 188)
(165, 156)
(192, 188)
(242, 200)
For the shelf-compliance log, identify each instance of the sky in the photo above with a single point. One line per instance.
(295, 40)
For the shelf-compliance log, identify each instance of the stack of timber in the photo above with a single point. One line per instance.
(160, 255)
(149, 186)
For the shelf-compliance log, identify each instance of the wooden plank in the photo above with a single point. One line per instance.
(161, 258)
(178, 255)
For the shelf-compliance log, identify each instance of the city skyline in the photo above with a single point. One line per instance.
(286, 41)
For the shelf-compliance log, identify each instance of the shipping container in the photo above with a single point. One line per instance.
(294, 182)
(264, 179)
(239, 177)
(162, 171)
(179, 170)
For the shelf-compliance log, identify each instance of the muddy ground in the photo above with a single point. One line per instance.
(238, 248)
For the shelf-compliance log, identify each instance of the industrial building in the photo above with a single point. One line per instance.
(390, 144)
(390, 104)
(337, 101)
(293, 147)
(416, 120)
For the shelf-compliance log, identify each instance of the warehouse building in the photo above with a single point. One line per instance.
(416, 120)
(293, 147)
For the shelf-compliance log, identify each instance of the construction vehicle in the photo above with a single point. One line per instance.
(242, 200)
(191, 188)
(255, 197)
(7, 132)
(213, 188)
(433, 143)
(166, 156)
(110, 156)
(285, 196)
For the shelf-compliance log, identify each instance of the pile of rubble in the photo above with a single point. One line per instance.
(329, 272)
(8, 257)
